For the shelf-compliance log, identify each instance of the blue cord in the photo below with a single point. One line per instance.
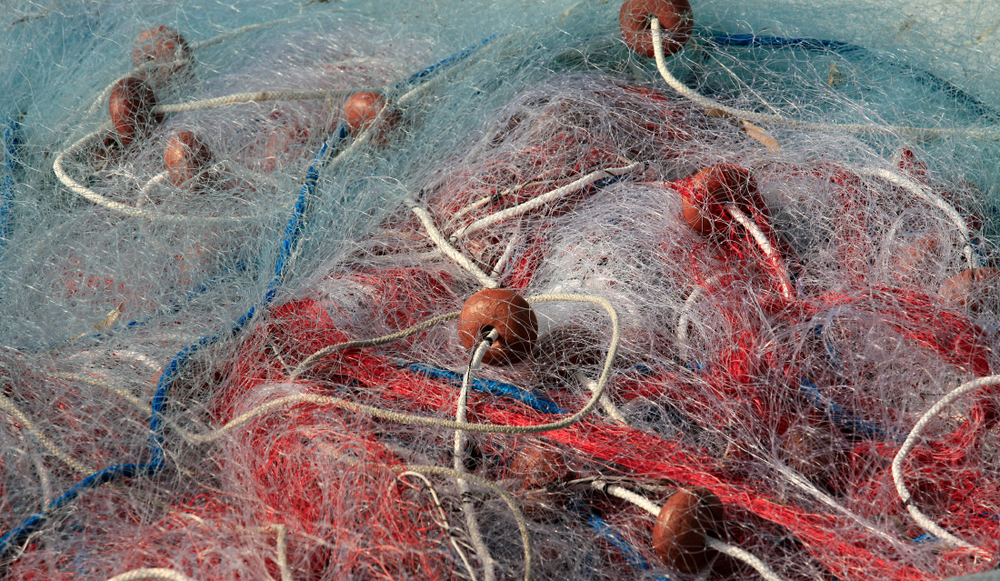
(779, 42)
(936, 83)
(447, 61)
(490, 386)
(839, 414)
(293, 228)
(11, 144)
(632, 556)
(293, 234)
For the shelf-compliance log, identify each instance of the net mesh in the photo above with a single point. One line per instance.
(762, 272)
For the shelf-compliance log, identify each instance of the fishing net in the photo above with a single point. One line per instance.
(478, 290)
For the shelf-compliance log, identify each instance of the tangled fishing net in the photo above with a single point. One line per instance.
(499, 291)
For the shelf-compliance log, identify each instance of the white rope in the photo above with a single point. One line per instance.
(459, 456)
(522, 524)
(227, 35)
(104, 94)
(429, 421)
(545, 198)
(711, 542)
(138, 211)
(685, 317)
(238, 98)
(140, 357)
(8, 406)
(890, 235)
(481, 202)
(372, 130)
(486, 280)
(485, 200)
(444, 521)
(88, 194)
(927, 195)
(627, 495)
(280, 545)
(803, 483)
(606, 403)
(911, 440)
(441, 75)
(717, 108)
(308, 361)
(158, 179)
(769, 251)
(121, 392)
(43, 475)
(179, 62)
(507, 253)
(256, 97)
(743, 555)
(136, 574)
(449, 250)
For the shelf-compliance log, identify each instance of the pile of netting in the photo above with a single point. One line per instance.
(477, 291)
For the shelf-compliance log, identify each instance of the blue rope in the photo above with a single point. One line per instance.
(294, 227)
(839, 414)
(419, 75)
(779, 42)
(21, 532)
(293, 234)
(492, 387)
(632, 556)
(752, 40)
(11, 144)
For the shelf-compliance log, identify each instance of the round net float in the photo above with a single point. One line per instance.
(675, 18)
(912, 257)
(971, 288)
(130, 104)
(539, 467)
(186, 157)
(540, 470)
(812, 451)
(164, 45)
(508, 313)
(705, 195)
(283, 144)
(362, 110)
(161, 44)
(680, 529)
